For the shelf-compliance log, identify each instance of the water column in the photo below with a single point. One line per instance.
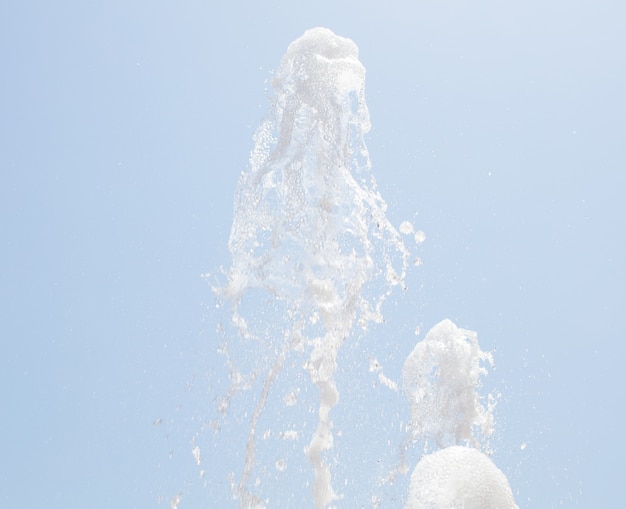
(311, 235)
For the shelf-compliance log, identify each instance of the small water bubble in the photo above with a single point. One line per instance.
(420, 237)
(406, 228)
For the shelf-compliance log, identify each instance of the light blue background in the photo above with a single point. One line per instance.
(123, 129)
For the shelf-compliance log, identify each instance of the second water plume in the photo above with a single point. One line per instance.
(440, 378)
(313, 253)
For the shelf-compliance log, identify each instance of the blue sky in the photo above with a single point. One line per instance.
(497, 130)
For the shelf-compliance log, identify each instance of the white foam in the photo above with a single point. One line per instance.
(458, 477)
(440, 379)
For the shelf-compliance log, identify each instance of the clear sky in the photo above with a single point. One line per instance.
(498, 130)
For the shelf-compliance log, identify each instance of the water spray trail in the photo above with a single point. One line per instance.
(310, 233)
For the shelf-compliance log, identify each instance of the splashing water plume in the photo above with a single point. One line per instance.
(308, 225)
(440, 377)
(314, 257)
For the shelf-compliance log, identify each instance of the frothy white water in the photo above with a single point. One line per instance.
(458, 477)
(440, 378)
(311, 246)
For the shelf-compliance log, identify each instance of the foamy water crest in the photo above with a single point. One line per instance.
(440, 378)
(314, 257)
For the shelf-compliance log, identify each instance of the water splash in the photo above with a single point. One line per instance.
(440, 379)
(313, 259)
(313, 253)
